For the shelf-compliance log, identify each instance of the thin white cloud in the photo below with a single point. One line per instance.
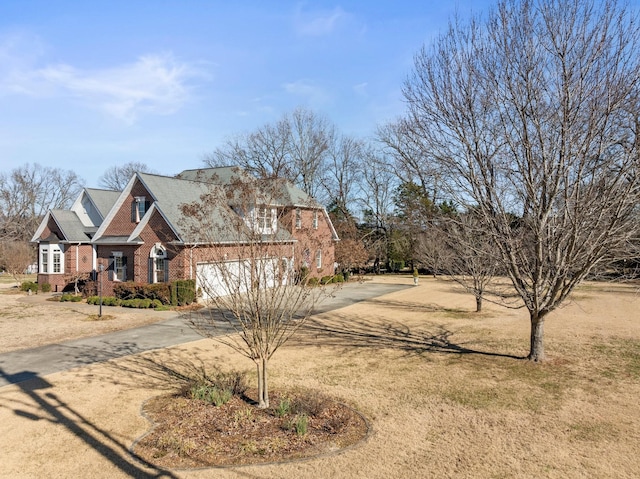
(314, 94)
(318, 23)
(361, 89)
(156, 84)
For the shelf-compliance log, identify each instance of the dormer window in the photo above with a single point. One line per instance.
(315, 220)
(266, 221)
(139, 208)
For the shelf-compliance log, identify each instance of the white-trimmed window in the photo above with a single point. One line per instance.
(139, 208)
(319, 259)
(266, 221)
(57, 260)
(44, 262)
(264, 218)
(315, 220)
(298, 218)
(158, 264)
(51, 259)
(117, 266)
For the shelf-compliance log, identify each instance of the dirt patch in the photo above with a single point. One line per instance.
(191, 433)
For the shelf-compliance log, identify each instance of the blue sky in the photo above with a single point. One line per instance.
(89, 85)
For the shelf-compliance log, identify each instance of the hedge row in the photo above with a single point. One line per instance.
(127, 303)
(177, 293)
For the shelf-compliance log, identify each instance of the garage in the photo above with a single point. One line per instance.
(226, 277)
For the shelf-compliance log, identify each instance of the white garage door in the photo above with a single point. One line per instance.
(222, 278)
(226, 277)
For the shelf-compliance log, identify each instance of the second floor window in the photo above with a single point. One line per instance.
(265, 220)
(139, 208)
(298, 218)
(315, 220)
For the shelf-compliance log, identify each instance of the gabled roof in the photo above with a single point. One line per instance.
(171, 193)
(72, 229)
(103, 200)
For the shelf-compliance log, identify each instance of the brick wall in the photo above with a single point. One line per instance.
(122, 224)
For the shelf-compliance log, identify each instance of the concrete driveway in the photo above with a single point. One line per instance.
(17, 366)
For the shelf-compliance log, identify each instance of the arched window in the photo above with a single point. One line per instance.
(158, 264)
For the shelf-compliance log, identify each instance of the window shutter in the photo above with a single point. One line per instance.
(111, 268)
(166, 270)
(124, 268)
(134, 207)
(150, 275)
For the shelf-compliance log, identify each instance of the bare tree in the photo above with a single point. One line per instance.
(15, 257)
(343, 171)
(295, 147)
(412, 157)
(376, 202)
(469, 258)
(116, 177)
(534, 114)
(252, 280)
(28, 192)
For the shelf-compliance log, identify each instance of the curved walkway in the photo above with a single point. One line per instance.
(17, 366)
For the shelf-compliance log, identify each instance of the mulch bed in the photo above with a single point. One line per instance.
(191, 433)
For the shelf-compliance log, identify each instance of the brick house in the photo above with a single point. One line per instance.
(162, 228)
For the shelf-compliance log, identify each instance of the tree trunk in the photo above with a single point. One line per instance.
(265, 383)
(263, 390)
(478, 303)
(536, 349)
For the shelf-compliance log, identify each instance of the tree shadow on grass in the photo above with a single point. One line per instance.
(49, 407)
(357, 332)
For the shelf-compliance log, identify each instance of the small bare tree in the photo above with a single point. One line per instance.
(469, 259)
(534, 115)
(116, 177)
(250, 275)
(15, 257)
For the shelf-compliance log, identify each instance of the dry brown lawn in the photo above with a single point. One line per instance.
(443, 388)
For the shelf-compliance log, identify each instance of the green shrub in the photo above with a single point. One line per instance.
(211, 394)
(110, 301)
(29, 286)
(313, 281)
(183, 291)
(156, 303)
(338, 278)
(106, 300)
(325, 280)
(301, 423)
(283, 408)
(70, 297)
(45, 287)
